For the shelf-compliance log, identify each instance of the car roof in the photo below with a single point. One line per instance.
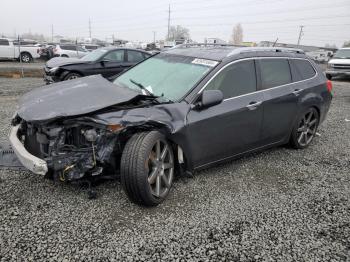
(211, 52)
(108, 48)
(220, 52)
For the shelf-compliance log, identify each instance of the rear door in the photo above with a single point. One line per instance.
(112, 63)
(133, 57)
(6, 50)
(280, 99)
(232, 127)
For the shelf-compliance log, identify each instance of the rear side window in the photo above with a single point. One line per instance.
(135, 56)
(4, 42)
(274, 72)
(301, 69)
(235, 80)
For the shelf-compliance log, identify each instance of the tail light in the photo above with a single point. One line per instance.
(37, 51)
(55, 50)
(329, 86)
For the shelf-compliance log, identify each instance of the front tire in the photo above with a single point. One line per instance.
(71, 76)
(305, 129)
(147, 168)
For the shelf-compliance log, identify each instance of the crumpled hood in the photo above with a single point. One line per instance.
(72, 98)
(62, 61)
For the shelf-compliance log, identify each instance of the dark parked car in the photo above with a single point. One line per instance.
(107, 61)
(174, 113)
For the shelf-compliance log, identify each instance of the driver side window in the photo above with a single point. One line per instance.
(235, 80)
(115, 56)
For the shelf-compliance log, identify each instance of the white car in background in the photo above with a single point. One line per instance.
(10, 49)
(69, 50)
(339, 65)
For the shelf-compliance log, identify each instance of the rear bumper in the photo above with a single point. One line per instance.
(29, 161)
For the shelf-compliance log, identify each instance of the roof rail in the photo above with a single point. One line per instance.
(204, 45)
(271, 49)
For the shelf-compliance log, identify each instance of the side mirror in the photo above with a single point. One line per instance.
(331, 55)
(209, 98)
(104, 61)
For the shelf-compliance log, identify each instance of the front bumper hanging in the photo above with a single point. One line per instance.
(31, 162)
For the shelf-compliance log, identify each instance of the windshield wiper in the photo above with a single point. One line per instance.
(142, 87)
(149, 93)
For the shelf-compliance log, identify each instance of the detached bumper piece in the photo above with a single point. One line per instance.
(31, 162)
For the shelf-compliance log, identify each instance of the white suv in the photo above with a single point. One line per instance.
(69, 50)
(339, 65)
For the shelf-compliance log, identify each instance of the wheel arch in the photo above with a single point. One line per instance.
(178, 146)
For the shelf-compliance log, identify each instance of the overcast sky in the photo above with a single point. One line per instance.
(325, 21)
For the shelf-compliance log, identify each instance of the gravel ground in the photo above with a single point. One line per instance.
(279, 205)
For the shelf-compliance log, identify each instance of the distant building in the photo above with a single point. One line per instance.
(213, 40)
(306, 48)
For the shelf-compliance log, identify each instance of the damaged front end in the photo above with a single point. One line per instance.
(70, 149)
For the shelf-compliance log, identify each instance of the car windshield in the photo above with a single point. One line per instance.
(342, 53)
(165, 75)
(94, 55)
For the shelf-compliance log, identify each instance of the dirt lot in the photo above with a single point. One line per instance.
(279, 205)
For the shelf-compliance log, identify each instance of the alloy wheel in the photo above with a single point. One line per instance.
(307, 128)
(161, 169)
(72, 77)
(25, 58)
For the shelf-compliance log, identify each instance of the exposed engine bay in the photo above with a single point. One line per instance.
(70, 150)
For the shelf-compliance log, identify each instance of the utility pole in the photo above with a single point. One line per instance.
(274, 44)
(301, 33)
(51, 32)
(154, 36)
(169, 22)
(89, 28)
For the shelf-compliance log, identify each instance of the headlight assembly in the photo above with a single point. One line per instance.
(53, 70)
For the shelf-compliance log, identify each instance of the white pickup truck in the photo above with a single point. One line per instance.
(9, 49)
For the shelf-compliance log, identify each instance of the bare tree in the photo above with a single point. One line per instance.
(346, 44)
(237, 34)
(178, 32)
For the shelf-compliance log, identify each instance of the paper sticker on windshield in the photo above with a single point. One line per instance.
(204, 62)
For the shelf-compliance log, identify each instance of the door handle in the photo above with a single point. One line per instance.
(297, 92)
(253, 105)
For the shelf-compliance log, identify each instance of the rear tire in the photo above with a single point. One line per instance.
(329, 77)
(26, 57)
(71, 76)
(65, 56)
(305, 129)
(147, 168)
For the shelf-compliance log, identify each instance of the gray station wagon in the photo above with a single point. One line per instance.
(174, 113)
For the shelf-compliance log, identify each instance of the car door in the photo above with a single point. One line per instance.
(133, 57)
(6, 50)
(112, 63)
(232, 127)
(280, 106)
